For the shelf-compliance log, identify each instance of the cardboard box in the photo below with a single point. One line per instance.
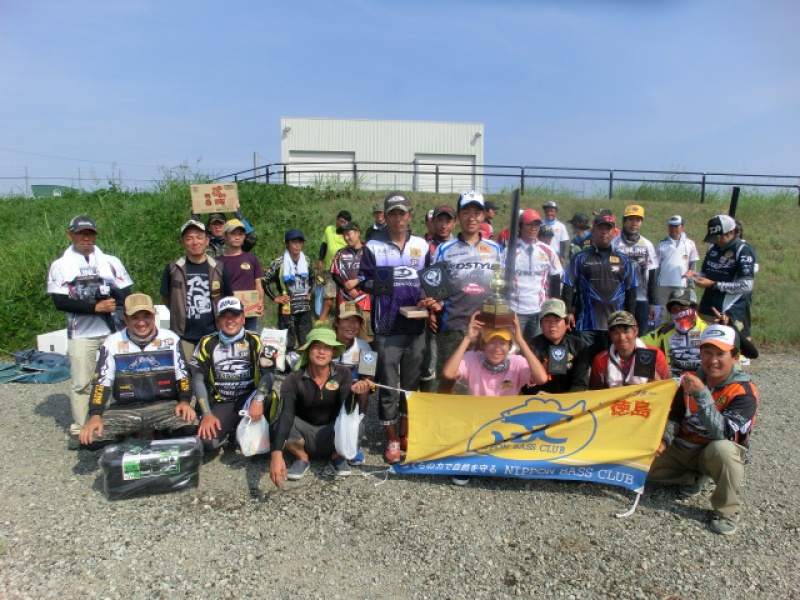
(53, 341)
(249, 301)
(214, 197)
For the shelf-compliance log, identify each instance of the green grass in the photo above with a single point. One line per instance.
(141, 228)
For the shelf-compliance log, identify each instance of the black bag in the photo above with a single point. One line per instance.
(151, 466)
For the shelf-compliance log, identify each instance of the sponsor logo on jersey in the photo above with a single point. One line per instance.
(416, 252)
(245, 266)
(506, 384)
(122, 346)
(473, 289)
(332, 385)
(613, 259)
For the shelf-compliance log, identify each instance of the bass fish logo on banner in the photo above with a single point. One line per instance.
(534, 431)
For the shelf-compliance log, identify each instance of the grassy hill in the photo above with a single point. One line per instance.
(142, 229)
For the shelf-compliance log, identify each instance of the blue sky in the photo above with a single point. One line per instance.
(643, 84)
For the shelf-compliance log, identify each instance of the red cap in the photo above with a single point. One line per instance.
(529, 216)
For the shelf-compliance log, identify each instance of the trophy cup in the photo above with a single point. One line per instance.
(496, 312)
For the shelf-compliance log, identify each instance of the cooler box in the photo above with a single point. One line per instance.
(53, 341)
(162, 316)
(139, 467)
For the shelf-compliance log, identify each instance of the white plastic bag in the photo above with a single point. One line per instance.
(345, 432)
(253, 436)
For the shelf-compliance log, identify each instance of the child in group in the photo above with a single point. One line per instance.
(492, 370)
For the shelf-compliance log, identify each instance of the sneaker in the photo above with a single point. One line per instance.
(392, 453)
(358, 459)
(340, 467)
(690, 491)
(461, 480)
(724, 525)
(297, 470)
(403, 443)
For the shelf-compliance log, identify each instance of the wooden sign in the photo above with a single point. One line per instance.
(214, 197)
(249, 301)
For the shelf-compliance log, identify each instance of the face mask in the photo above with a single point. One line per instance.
(684, 320)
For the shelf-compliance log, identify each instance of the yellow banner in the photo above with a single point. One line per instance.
(608, 436)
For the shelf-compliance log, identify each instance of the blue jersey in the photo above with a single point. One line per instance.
(600, 281)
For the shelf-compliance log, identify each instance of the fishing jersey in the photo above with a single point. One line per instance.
(732, 268)
(129, 376)
(736, 399)
(470, 268)
(674, 259)
(298, 289)
(535, 264)
(75, 277)
(600, 284)
(345, 265)
(682, 349)
(643, 256)
(230, 371)
(406, 265)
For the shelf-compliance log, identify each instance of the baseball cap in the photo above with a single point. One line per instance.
(349, 226)
(550, 204)
(377, 208)
(546, 231)
(136, 302)
(529, 216)
(429, 216)
(82, 223)
(294, 234)
(471, 197)
(605, 219)
(444, 209)
(621, 317)
(675, 220)
(579, 220)
(633, 210)
(230, 303)
(192, 223)
(603, 211)
(721, 336)
(554, 306)
(214, 217)
(489, 332)
(489, 205)
(395, 200)
(234, 224)
(719, 225)
(684, 297)
(350, 309)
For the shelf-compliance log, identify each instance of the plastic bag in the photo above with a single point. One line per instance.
(253, 436)
(345, 432)
(141, 467)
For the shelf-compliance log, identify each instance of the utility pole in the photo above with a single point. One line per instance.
(255, 164)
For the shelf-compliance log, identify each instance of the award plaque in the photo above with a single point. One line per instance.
(557, 360)
(644, 363)
(368, 364)
(436, 282)
(496, 312)
(383, 284)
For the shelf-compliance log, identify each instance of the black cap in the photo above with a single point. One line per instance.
(546, 231)
(349, 226)
(684, 297)
(395, 200)
(82, 223)
(489, 205)
(214, 217)
(579, 220)
(294, 234)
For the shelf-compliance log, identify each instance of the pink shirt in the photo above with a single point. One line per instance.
(481, 382)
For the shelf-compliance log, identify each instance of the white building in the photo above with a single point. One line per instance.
(422, 156)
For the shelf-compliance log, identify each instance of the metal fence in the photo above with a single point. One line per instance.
(431, 177)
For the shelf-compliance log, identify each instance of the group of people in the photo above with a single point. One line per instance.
(584, 311)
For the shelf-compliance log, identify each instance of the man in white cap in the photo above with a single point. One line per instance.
(560, 241)
(677, 255)
(89, 286)
(226, 369)
(141, 381)
(726, 275)
(708, 429)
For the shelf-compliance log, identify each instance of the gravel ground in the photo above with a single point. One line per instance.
(413, 537)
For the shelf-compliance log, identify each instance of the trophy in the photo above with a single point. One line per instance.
(496, 312)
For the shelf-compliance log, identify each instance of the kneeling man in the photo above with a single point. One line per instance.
(312, 397)
(141, 382)
(708, 429)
